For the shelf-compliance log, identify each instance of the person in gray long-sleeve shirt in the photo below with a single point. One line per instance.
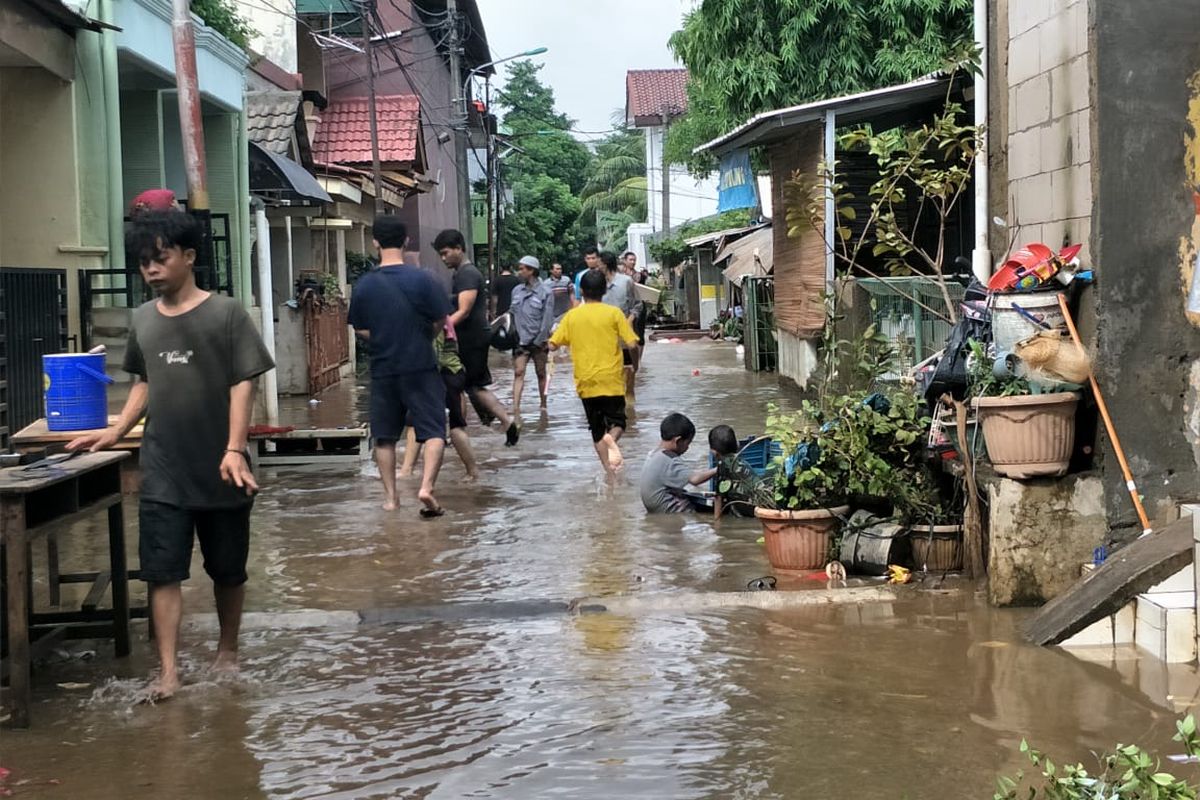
(622, 295)
(533, 315)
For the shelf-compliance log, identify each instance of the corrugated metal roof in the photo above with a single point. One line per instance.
(753, 254)
(703, 239)
(770, 125)
(344, 135)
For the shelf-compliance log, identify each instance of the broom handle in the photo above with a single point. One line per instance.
(1108, 423)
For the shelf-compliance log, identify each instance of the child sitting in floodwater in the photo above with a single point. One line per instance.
(737, 484)
(666, 476)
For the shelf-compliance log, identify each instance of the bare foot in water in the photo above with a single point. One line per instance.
(226, 663)
(404, 472)
(615, 459)
(161, 688)
(390, 504)
(431, 507)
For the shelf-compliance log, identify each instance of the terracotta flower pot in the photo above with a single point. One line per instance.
(937, 548)
(799, 540)
(1031, 435)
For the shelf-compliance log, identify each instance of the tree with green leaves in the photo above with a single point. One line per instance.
(614, 195)
(749, 56)
(546, 171)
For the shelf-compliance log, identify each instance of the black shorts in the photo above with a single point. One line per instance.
(474, 357)
(418, 399)
(604, 413)
(456, 384)
(165, 542)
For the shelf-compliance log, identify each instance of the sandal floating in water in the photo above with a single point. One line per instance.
(432, 513)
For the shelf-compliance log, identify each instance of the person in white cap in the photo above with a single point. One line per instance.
(533, 315)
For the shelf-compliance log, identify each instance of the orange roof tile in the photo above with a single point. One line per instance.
(648, 92)
(344, 134)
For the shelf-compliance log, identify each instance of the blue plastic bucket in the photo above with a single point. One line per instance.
(76, 391)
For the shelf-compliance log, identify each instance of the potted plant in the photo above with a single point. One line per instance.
(801, 503)
(1027, 434)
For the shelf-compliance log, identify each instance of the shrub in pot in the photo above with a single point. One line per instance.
(856, 446)
(1027, 435)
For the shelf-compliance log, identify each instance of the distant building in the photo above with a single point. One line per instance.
(654, 97)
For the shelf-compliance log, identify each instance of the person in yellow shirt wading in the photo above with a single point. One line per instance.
(596, 334)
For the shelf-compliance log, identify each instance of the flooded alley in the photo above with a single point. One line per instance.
(472, 679)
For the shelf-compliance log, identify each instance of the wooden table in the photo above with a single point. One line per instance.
(33, 499)
(37, 436)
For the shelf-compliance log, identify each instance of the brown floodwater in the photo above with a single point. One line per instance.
(485, 688)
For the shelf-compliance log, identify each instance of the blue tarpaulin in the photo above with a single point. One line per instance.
(738, 188)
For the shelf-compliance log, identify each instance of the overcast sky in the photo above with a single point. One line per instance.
(592, 45)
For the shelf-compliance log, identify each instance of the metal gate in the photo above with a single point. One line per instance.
(327, 339)
(759, 308)
(33, 322)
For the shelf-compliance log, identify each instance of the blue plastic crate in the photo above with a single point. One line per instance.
(757, 455)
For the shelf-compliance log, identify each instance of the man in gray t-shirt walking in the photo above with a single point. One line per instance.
(195, 356)
(622, 295)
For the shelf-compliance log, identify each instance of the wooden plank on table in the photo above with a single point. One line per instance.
(31, 478)
(39, 433)
(1127, 573)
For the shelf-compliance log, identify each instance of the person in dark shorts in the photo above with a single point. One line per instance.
(469, 317)
(596, 334)
(454, 377)
(195, 357)
(533, 316)
(399, 309)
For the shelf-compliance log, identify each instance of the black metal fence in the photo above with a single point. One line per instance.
(33, 322)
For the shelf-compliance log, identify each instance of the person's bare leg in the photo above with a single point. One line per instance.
(411, 448)
(385, 459)
(462, 445)
(543, 376)
(433, 450)
(230, 600)
(485, 398)
(166, 610)
(603, 448)
(614, 452)
(520, 365)
(629, 389)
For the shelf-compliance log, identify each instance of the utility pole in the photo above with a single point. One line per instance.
(376, 174)
(492, 185)
(191, 124)
(457, 88)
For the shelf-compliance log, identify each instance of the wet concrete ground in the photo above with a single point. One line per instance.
(927, 696)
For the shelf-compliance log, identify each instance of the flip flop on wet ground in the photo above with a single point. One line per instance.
(432, 513)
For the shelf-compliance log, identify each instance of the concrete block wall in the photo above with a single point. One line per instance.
(1049, 120)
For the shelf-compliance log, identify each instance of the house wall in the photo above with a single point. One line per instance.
(690, 198)
(1049, 122)
(1148, 359)
(274, 30)
(429, 78)
(799, 261)
(1100, 107)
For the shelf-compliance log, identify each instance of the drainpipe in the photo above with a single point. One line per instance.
(112, 131)
(267, 305)
(981, 257)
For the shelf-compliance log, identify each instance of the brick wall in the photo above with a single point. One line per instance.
(1049, 120)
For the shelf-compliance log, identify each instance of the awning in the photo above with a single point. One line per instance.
(749, 256)
(852, 109)
(716, 236)
(280, 177)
